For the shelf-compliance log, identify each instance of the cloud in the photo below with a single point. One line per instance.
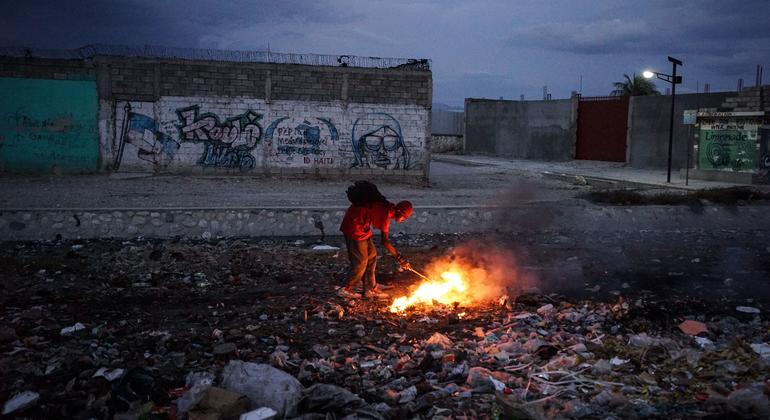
(599, 37)
(71, 24)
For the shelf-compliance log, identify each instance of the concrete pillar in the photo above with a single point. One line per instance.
(268, 87)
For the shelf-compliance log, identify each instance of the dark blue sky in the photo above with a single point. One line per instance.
(479, 48)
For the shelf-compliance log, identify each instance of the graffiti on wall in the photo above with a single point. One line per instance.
(48, 125)
(728, 145)
(157, 136)
(142, 136)
(226, 144)
(301, 143)
(379, 143)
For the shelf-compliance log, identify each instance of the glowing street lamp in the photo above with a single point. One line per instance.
(674, 80)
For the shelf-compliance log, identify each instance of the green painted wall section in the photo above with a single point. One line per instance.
(48, 126)
(728, 146)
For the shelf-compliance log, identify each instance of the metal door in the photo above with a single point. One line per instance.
(602, 126)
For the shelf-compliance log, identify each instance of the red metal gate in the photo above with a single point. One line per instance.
(602, 125)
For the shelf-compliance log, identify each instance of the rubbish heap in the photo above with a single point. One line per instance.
(105, 335)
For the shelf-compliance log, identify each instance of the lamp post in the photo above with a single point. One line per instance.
(674, 80)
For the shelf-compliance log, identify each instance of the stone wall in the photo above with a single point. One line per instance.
(203, 116)
(213, 223)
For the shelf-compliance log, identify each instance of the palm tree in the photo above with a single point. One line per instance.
(638, 86)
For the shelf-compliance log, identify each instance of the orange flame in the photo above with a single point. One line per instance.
(471, 275)
(450, 289)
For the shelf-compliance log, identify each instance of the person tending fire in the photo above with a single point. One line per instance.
(369, 209)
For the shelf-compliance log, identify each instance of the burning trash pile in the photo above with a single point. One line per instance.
(149, 330)
(467, 277)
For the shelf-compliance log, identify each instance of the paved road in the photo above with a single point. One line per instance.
(451, 184)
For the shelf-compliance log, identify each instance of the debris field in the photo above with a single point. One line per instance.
(254, 329)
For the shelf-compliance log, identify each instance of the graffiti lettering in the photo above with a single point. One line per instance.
(319, 161)
(24, 123)
(726, 136)
(286, 140)
(292, 150)
(227, 144)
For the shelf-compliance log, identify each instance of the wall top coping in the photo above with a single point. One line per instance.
(731, 114)
(162, 52)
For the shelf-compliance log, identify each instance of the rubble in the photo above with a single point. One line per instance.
(254, 343)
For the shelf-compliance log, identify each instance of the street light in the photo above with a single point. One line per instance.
(674, 80)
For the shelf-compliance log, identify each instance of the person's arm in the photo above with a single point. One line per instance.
(392, 250)
(388, 245)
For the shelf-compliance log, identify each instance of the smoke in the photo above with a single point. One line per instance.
(526, 205)
(491, 272)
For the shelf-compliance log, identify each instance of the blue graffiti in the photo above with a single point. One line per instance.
(303, 139)
(143, 133)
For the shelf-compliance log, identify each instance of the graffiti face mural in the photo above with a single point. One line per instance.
(378, 143)
(302, 143)
(227, 144)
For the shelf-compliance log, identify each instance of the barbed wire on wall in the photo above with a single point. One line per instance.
(160, 52)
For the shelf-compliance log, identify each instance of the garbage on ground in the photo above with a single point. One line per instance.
(262, 413)
(691, 327)
(109, 374)
(747, 309)
(20, 402)
(75, 328)
(324, 247)
(268, 338)
(264, 385)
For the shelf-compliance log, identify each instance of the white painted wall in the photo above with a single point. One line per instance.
(179, 134)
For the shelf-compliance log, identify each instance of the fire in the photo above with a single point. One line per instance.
(450, 289)
(472, 274)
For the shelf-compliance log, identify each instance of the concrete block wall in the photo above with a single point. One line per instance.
(649, 126)
(251, 117)
(755, 98)
(46, 68)
(540, 130)
(237, 135)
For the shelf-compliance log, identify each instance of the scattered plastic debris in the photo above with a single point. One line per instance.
(75, 328)
(20, 401)
(747, 309)
(691, 327)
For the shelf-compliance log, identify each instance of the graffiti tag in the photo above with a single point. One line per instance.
(227, 144)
